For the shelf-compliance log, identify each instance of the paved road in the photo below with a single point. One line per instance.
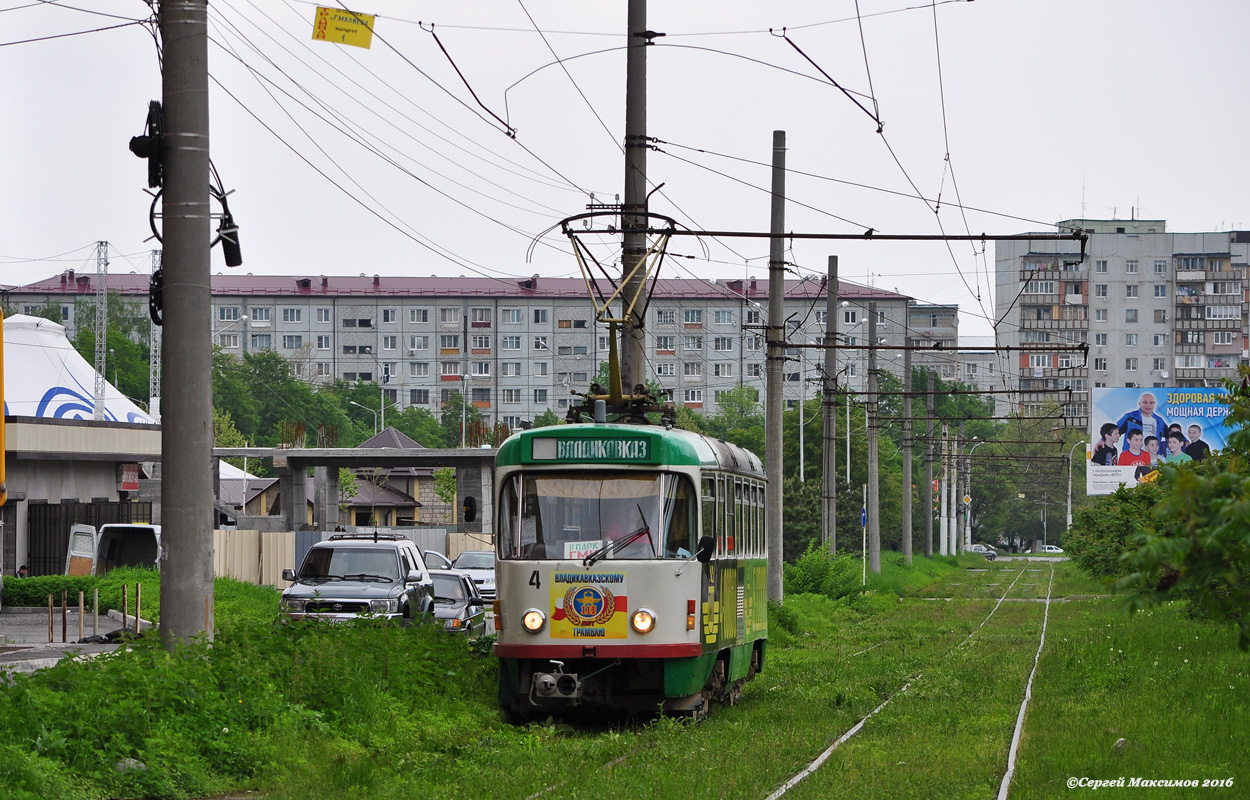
(24, 645)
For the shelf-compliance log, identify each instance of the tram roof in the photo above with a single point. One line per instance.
(622, 445)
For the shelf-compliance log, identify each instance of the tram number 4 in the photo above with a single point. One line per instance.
(535, 581)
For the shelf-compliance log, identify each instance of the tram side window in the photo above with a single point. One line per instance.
(722, 503)
(757, 509)
(709, 507)
(679, 518)
(509, 519)
(761, 544)
(749, 504)
(744, 528)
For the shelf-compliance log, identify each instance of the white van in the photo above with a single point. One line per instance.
(122, 544)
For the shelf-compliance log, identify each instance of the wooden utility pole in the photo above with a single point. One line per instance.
(775, 343)
(829, 395)
(874, 478)
(187, 414)
(633, 216)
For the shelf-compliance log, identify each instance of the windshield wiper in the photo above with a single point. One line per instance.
(364, 576)
(321, 577)
(602, 552)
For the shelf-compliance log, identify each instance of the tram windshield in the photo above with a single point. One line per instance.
(562, 515)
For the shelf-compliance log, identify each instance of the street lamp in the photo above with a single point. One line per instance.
(968, 506)
(243, 320)
(1070, 481)
(463, 402)
(371, 411)
(114, 367)
(381, 392)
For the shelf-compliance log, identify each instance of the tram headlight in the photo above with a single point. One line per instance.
(533, 620)
(642, 620)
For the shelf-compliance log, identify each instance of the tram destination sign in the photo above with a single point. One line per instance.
(607, 449)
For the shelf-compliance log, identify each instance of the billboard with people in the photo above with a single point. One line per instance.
(1134, 431)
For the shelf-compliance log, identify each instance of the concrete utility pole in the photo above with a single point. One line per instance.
(874, 479)
(943, 493)
(829, 389)
(961, 519)
(775, 344)
(908, 490)
(633, 220)
(154, 358)
(953, 526)
(187, 421)
(928, 473)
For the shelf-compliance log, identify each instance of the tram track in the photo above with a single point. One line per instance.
(811, 775)
(819, 761)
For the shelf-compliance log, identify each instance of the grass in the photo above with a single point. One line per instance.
(1176, 691)
(377, 711)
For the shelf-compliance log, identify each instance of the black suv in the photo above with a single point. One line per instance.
(350, 575)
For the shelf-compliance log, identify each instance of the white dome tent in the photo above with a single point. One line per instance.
(45, 377)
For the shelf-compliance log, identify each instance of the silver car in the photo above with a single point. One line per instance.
(480, 564)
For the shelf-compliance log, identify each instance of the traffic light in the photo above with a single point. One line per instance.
(152, 144)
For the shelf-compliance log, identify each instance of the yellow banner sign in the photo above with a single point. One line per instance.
(343, 27)
(589, 606)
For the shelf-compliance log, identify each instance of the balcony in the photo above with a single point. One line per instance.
(1191, 275)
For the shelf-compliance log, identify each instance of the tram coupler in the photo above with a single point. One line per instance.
(558, 685)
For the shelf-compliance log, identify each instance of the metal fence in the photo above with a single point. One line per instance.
(48, 524)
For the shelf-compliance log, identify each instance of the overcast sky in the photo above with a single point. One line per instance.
(346, 161)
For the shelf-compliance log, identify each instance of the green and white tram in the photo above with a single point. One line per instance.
(631, 569)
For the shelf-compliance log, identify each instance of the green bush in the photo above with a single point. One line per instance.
(35, 591)
(265, 704)
(817, 572)
(1102, 532)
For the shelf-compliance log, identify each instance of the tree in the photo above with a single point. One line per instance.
(348, 488)
(1194, 545)
(445, 487)
(547, 419)
(127, 337)
(226, 435)
(453, 409)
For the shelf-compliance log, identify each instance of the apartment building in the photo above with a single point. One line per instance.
(1156, 309)
(518, 348)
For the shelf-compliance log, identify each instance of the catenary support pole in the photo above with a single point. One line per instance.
(633, 220)
(943, 475)
(874, 478)
(909, 490)
(775, 342)
(186, 418)
(829, 388)
(961, 480)
(928, 472)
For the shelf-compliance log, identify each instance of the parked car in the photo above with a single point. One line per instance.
(480, 564)
(352, 575)
(436, 560)
(1051, 549)
(985, 550)
(457, 603)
